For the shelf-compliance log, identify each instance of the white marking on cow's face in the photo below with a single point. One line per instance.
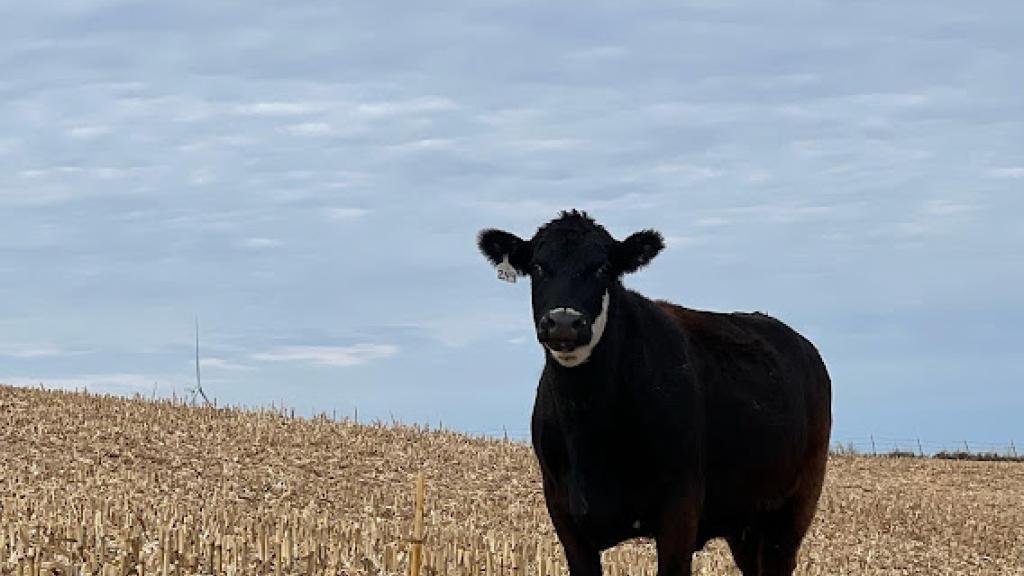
(574, 358)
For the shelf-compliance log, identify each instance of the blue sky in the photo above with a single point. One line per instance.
(308, 179)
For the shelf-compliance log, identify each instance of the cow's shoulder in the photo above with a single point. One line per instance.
(733, 332)
(734, 327)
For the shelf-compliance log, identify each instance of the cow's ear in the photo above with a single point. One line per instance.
(636, 251)
(497, 245)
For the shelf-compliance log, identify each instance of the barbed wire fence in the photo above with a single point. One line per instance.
(866, 445)
(881, 445)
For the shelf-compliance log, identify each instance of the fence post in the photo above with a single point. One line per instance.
(873, 451)
(1013, 449)
(966, 447)
(920, 452)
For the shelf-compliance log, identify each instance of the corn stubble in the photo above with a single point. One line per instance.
(113, 486)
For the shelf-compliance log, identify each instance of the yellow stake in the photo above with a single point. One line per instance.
(416, 547)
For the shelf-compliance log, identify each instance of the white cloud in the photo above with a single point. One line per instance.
(311, 129)
(261, 243)
(757, 176)
(88, 132)
(913, 229)
(511, 117)
(689, 171)
(546, 144)
(205, 144)
(789, 213)
(278, 108)
(711, 222)
(202, 177)
(949, 208)
(111, 172)
(1008, 172)
(700, 113)
(463, 328)
(629, 201)
(37, 352)
(425, 144)
(345, 213)
(222, 364)
(598, 54)
(853, 106)
(175, 107)
(341, 356)
(795, 80)
(401, 107)
(886, 99)
(529, 210)
(97, 172)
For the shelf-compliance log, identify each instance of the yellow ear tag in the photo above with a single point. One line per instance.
(506, 272)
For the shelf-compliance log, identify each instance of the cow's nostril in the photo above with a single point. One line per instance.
(546, 323)
(578, 323)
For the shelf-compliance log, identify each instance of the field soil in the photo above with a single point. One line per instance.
(106, 485)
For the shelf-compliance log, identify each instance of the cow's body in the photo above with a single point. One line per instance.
(684, 425)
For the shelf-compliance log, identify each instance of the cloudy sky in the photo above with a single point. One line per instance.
(308, 178)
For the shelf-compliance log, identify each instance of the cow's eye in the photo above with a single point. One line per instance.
(601, 270)
(537, 270)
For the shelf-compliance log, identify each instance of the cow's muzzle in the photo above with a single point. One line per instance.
(563, 329)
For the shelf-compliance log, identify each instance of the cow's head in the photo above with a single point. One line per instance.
(574, 266)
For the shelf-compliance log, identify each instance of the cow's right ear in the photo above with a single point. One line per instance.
(497, 245)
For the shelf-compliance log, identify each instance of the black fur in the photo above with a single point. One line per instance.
(636, 251)
(683, 426)
(498, 244)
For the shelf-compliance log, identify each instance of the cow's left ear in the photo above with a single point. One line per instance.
(636, 251)
(497, 245)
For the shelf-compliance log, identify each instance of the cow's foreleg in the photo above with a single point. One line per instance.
(583, 557)
(676, 536)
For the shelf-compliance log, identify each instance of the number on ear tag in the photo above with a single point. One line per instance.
(506, 272)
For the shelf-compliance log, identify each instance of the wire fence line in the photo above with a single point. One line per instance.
(923, 447)
(869, 444)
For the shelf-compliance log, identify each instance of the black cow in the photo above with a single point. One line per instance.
(654, 420)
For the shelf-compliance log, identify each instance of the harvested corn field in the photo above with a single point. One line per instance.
(103, 485)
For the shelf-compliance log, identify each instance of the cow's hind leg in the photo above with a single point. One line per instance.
(745, 548)
(783, 530)
(780, 544)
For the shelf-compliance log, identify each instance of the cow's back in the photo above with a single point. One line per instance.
(767, 400)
